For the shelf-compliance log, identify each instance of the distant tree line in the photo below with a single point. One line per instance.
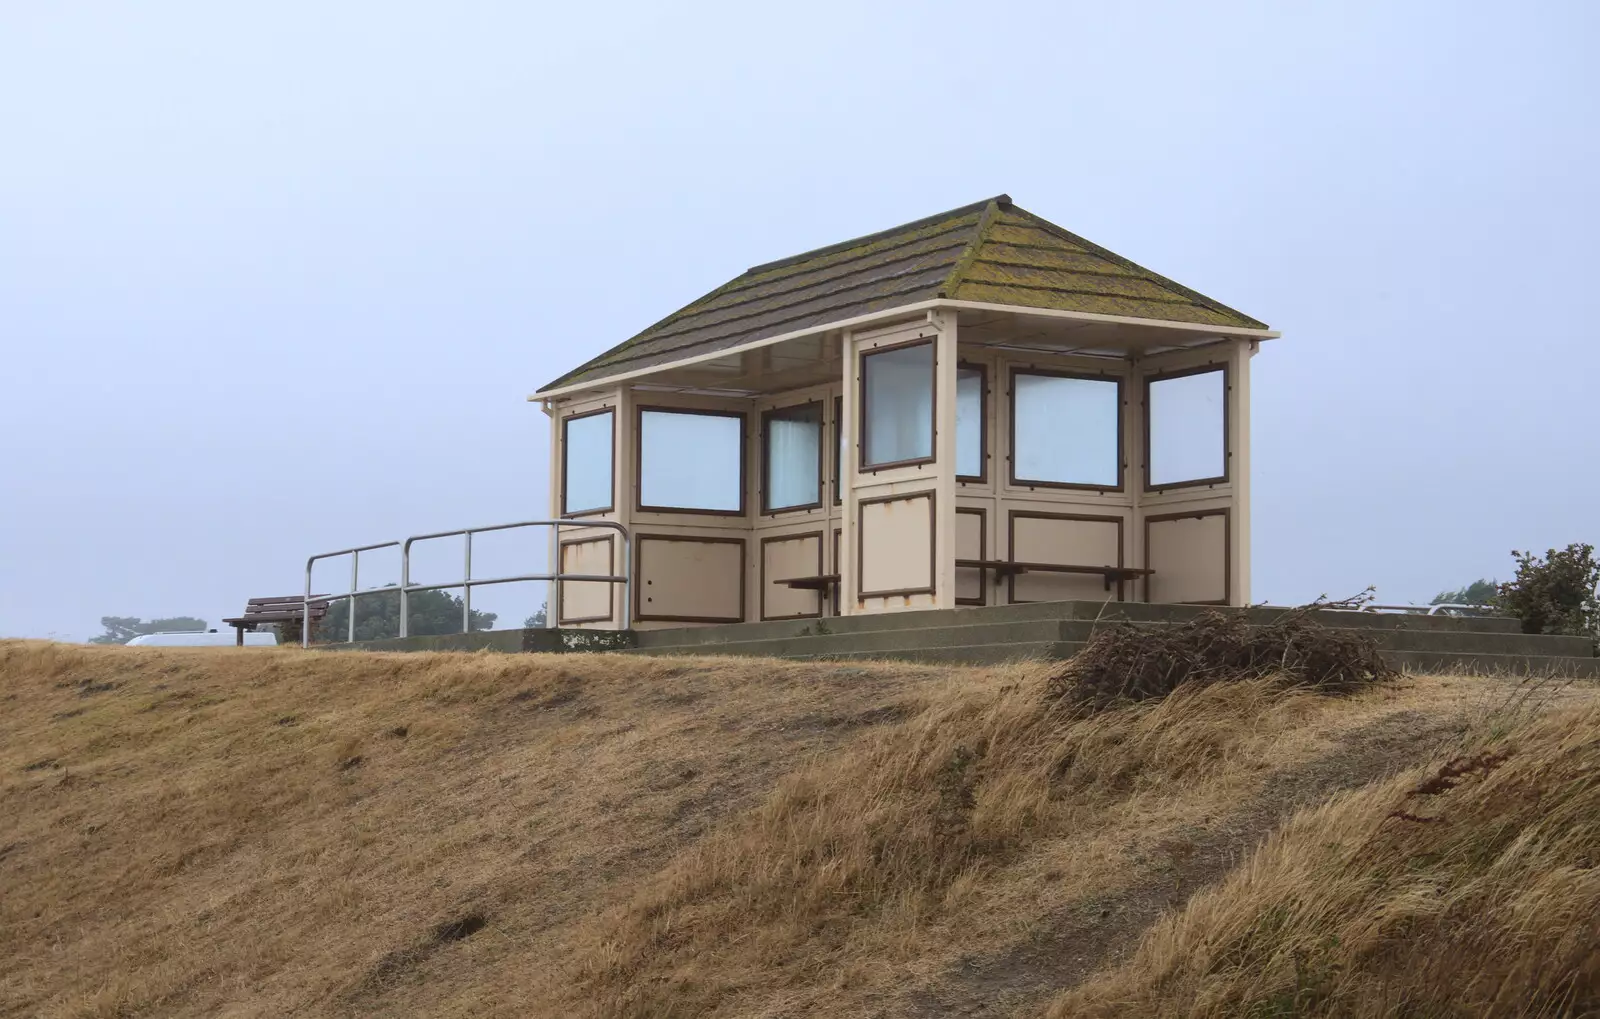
(378, 616)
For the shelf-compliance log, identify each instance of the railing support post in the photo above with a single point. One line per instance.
(355, 577)
(305, 608)
(405, 588)
(466, 590)
(552, 612)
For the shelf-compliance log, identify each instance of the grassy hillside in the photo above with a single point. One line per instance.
(272, 832)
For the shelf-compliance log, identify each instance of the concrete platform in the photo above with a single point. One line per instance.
(1047, 630)
(1057, 630)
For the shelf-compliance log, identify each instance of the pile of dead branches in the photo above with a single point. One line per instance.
(1124, 663)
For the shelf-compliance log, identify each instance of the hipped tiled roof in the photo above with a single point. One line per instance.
(991, 251)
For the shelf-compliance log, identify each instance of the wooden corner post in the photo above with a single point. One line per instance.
(850, 415)
(1239, 467)
(944, 444)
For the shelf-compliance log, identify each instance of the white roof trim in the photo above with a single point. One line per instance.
(890, 314)
(1089, 316)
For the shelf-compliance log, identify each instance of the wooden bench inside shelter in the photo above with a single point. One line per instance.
(1003, 568)
(286, 609)
(823, 582)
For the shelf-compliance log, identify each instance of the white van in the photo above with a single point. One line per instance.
(202, 638)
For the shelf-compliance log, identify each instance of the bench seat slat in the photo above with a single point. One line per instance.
(821, 582)
(270, 617)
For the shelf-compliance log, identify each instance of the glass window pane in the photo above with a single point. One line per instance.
(586, 443)
(690, 461)
(1188, 434)
(794, 457)
(1066, 430)
(898, 390)
(969, 422)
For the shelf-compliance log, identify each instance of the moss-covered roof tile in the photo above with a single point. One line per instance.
(989, 251)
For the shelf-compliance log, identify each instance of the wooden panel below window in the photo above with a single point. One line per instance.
(587, 601)
(1064, 539)
(895, 537)
(792, 555)
(1189, 553)
(690, 580)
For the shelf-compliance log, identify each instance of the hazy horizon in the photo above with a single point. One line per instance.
(278, 280)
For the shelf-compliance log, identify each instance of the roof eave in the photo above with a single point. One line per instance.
(887, 314)
(902, 311)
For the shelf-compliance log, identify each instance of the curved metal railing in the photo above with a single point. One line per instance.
(467, 581)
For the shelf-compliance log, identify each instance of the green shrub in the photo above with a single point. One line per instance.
(1555, 594)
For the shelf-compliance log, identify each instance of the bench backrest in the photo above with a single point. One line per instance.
(290, 603)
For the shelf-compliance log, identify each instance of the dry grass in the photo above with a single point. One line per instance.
(198, 831)
(207, 831)
(1469, 887)
(959, 834)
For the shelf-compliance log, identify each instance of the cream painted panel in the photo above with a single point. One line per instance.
(799, 556)
(1068, 542)
(897, 545)
(691, 580)
(1190, 558)
(586, 601)
(970, 544)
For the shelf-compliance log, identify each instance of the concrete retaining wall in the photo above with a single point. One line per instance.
(526, 641)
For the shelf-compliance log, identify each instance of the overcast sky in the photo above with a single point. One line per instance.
(276, 278)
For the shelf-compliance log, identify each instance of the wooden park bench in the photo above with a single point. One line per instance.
(287, 609)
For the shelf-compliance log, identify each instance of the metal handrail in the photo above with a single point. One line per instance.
(1430, 610)
(467, 582)
(355, 581)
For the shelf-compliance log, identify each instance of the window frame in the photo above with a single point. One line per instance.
(566, 447)
(766, 458)
(1122, 438)
(1227, 426)
(638, 460)
(933, 408)
(982, 477)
